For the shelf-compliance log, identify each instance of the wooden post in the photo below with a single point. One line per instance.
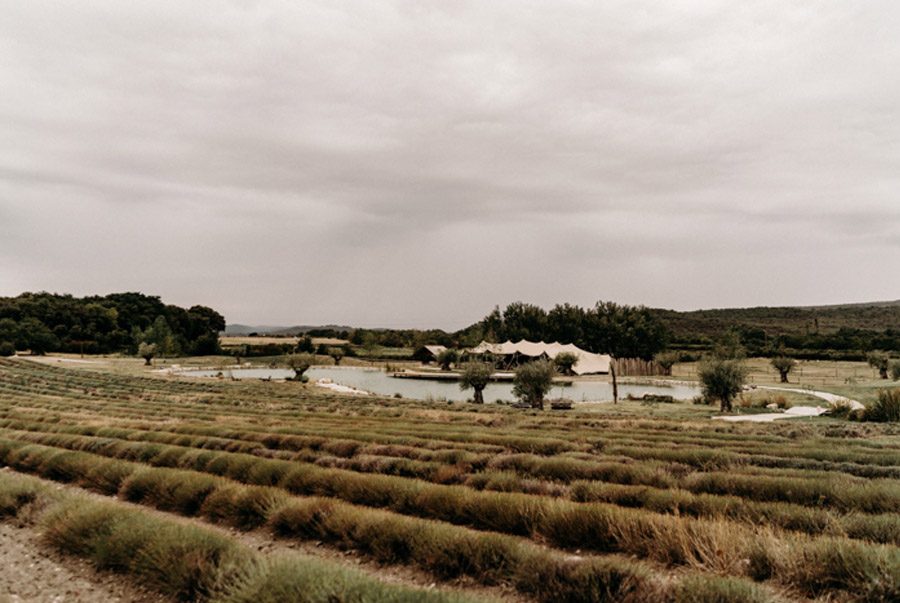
(612, 372)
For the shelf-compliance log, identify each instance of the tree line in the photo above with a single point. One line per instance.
(842, 333)
(119, 322)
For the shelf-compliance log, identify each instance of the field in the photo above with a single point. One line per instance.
(265, 491)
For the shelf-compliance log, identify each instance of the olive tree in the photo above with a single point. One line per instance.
(476, 376)
(300, 363)
(147, 351)
(564, 362)
(783, 365)
(722, 379)
(447, 358)
(239, 352)
(533, 381)
(880, 361)
(665, 361)
(337, 354)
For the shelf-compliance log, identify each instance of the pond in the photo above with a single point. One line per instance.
(382, 383)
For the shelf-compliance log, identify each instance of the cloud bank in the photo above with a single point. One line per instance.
(414, 164)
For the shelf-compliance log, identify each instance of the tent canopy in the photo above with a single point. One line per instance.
(588, 363)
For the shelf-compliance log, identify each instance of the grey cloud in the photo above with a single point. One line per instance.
(415, 164)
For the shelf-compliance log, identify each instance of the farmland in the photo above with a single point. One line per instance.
(367, 499)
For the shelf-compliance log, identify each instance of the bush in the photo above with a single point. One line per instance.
(7, 349)
(718, 589)
(886, 409)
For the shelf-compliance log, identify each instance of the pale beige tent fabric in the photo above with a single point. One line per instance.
(588, 363)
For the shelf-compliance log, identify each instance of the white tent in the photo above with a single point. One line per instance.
(588, 363)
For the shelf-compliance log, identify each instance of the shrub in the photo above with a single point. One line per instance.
(178, 560)
(886, 408)
(170, 489)
(244, 507)
(7, 349)
(895, 368)
(718, 589)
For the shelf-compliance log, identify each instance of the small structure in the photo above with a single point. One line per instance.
(428, 353)
(511, 354)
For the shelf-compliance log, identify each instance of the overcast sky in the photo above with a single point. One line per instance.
(399, 164)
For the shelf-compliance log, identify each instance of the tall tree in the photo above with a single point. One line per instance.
(623, 332)
(565, 324)
(524, 321)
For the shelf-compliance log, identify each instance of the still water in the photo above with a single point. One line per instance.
(379, 382)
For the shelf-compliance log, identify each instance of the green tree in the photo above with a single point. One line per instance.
(879, 361)
(729, 346)
(564, 362)
(524, 321)
(9, 330)
(337, 354)
(665, 361)
(37, 337)
(476, 376)
(239, 352)
(623, 332)
(147, 351)
(784, 366)
(565, 323)
(300, 363)
(722, 379)
(305, 345)
(160, 334)
(533, 381)
(446, 358)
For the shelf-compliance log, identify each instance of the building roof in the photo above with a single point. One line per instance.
(435, 350)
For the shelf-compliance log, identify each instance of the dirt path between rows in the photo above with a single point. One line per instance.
(32, 572)
(45, 588)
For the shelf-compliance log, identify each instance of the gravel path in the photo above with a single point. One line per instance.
(32, 572)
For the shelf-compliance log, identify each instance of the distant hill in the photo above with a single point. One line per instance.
(802, 320)
(238, 329)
